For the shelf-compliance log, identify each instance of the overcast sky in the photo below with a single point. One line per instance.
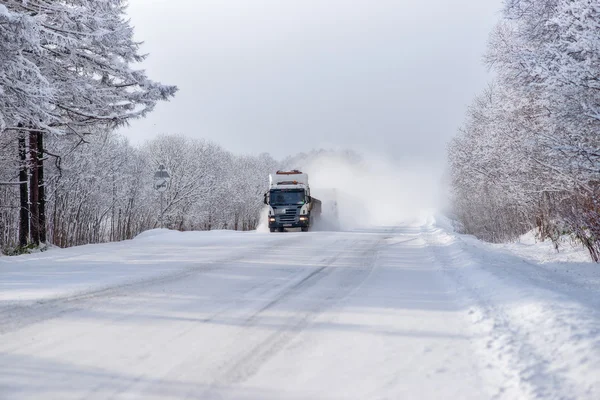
(282, 76)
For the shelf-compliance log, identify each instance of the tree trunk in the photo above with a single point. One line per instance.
(34, 189)
(42, 188)
(55, 238)
(23, 194)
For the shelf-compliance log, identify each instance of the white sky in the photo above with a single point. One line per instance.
(381, 76)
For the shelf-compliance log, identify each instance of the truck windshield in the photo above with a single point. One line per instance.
(282, 198)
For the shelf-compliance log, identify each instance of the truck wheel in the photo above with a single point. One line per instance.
(280, 230)
(304, 229)
(272, 230)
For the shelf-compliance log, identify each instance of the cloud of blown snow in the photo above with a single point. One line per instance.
(263, 224)
(375, 191)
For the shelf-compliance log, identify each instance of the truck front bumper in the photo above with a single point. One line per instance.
(301, 222)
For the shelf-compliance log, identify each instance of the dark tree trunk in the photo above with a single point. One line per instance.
(23, 194)
(34, 189)
(42, 187)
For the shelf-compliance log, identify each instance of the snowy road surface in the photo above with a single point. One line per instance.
(411, 312)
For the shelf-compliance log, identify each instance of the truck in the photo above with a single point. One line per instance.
(290, 202)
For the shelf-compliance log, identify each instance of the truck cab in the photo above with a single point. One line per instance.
(290, 203)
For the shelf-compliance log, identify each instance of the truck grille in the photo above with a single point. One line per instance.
(289, 216)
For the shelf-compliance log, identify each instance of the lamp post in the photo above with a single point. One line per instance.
(161, 184)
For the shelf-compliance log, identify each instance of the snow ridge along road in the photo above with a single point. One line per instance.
(403, 312)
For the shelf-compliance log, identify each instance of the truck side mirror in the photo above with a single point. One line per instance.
(265, 200)
(308, 199)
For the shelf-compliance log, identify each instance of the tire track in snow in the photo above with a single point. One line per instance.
(263, 287)
(298, 281)
(13, 318)
(255, 289)
(252, 360)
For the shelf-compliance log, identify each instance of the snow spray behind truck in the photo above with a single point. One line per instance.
(290, 203)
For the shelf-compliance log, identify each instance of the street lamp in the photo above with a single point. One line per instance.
(161, 184)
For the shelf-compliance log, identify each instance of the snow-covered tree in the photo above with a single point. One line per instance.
(534, 145)
(25, 92)
(67, 69)
(83, 51)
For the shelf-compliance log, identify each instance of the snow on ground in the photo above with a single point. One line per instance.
(414, 311)
(79, 270)
(529, 246)
(538, 322)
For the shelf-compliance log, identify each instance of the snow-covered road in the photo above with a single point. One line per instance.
(411, 312)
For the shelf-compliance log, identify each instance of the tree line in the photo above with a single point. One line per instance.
(528, 155)
(102, 190)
